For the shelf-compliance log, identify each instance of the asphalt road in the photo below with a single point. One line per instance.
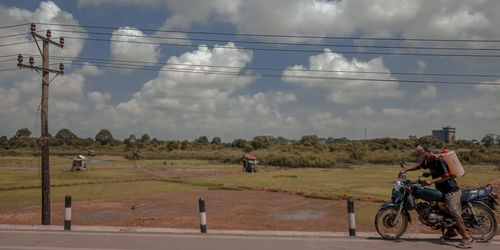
(79, 240)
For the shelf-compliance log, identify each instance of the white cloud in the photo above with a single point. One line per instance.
(90, 69)
(365, 111)
(98, 97)
(382, 18)
(285, 97)
(130, 44)
(322, 121)
(429, 92)
(342, 90)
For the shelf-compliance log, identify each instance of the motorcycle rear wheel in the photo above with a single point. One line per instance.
(484, 229)
(384, 223)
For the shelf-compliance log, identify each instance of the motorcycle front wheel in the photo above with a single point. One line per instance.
(387, 225)
(484, 227)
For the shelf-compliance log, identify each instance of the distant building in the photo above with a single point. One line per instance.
(447, 134)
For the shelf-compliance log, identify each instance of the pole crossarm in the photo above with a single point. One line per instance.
(46, 40)
(40, 68)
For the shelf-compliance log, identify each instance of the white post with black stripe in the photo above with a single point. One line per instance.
(352, 219)
(67, 213)
(203, 216)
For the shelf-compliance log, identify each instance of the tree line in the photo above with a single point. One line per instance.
(308, 151)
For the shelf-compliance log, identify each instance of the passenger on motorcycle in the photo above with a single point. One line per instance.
(447, 185)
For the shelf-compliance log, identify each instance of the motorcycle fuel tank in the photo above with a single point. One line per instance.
(427, 194)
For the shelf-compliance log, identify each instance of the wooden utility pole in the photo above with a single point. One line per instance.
(44, 143)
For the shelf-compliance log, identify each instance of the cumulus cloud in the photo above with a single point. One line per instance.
(130, 44)
(383, 18)
(365, 111)
(325, 120)
(285, 97)
(429, 92)
(90, 69)
(342, 90)
(98, 97)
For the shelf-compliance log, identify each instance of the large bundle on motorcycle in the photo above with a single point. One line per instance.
(456, 168)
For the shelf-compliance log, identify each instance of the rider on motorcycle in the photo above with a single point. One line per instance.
(447, 185)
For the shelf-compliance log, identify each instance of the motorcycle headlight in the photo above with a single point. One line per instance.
(396, 184)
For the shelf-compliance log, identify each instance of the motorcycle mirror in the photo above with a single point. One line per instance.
(426, 174)
(402, 164)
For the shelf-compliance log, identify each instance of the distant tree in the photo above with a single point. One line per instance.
(22, 132)
(145, 138)
(310, 140)
(489, 140)
(202, 140)
(239, 143)
(185, 145)
(130, 140)
(66, 136)
(104, 137)
(4, 142)
(172, 145)
(155, 142)
(430, 141)
(261, 142)
(282, 140)
(216, 140)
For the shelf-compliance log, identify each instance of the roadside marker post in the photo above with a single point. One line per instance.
(352, 220)
(67, 213)
(203, 216)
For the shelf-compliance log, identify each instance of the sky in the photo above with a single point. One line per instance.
(234, 78)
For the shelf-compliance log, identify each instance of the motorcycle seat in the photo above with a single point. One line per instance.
(471, 194)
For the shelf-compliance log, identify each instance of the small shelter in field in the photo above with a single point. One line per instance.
(79, 163)
(250, 163)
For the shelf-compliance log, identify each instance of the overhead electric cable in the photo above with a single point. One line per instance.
(20, 34)
(14, 25)
(11, 44)
(251, 74)
(294, 50)
(148, 63)
(282, 43)
(278, 35)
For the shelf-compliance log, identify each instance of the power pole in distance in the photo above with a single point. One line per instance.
(44, 143)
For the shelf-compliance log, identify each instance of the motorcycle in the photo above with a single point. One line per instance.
(478, 205)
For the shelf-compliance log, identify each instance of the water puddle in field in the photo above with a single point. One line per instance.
(97, 161)
(18, 168)
(301, 215)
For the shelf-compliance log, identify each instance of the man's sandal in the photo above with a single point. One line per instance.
(467, 244)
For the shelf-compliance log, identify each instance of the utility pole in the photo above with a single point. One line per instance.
(44, 143)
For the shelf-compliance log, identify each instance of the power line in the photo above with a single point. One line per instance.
(11, 44)
(15, 25)
(147, 63)
(20, 34)
(9, 69)
(8, 55)
(294, 50)
(283, 76)
(279, 35)
(283, 43)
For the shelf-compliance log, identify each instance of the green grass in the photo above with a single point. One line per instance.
(118, 178)
(361, 181)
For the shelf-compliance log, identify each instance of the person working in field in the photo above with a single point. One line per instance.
(448, 186)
